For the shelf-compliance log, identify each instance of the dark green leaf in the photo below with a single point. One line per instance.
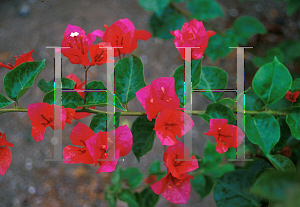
(128, 197)
(269, 57)
(68, 99)
(99, 98)
(232, 190)
(202, 184)
(47, 87)
(110, 196)
(266, 85)
(282, 163)
(292, 6)
(4, 101)
(263, 130)
(218, 45)
(179, 79)
(285, 133)
(246, 26)
(21, 78)
(293, 120)
(252, 101)
(219, 111)
(290, 49)
(158, 6)
(213, 78)
(117, 176)
(99, 122)
(147, 198)
(205, 117)
(143, 136)
(227, 102)
(204, 10)
(133, 176)
(281, 104)
(129, 78)
(155, 167)
(161, 26)
(277, 185)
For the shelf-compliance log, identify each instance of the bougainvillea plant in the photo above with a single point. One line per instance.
(267, 136)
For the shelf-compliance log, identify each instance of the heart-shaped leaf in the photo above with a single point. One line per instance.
(129, 78)
(21, 78)
(263, 130)
(213, 78)
(266, 85)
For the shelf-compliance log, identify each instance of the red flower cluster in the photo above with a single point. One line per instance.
(192, 34)
(25, 57)
(41, 116)
(79, 86)
(226, 135)
(121, 34)
(5, 154)
(97, 146)
(292, 97)
(175, 186)
(160, 97)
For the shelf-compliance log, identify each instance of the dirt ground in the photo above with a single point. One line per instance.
(35, 24)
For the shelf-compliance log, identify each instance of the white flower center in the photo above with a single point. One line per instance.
(74, 34)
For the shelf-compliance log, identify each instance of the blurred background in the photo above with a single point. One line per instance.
(35, 24)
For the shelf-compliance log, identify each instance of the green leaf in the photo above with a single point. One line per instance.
(277, 185)
(47, 87)
(293, 120)
(179, 79)
(218, 45)
(281, 104)
(133, 176)
(202, 184)
(21, 78)
(213, 78)
(270, 54)
(158, 6)
(266, 85)
(227, 102)
(147, 198)
(252, 101)
(110, 196)
(154, 167)
(129, 78)
(4, 101)
(128, 197)
(263, 130)
(232, 190)
(161, 26)
(292, 6)
(282, 163)
(296, 85)
(246, 26)
(117, 176)
(68, 99)
(285, 133)
(99, 122)
(219, 111)
(203, 10)
(143, 136)
(99, 98)
(205, 117)
(290, 49)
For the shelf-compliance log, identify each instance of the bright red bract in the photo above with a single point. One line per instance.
(5, 154)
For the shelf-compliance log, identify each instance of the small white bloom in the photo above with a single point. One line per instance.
(74, 34)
